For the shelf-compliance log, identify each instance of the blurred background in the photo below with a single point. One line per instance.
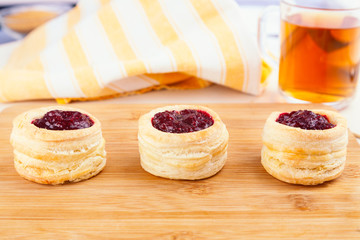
(20, 16)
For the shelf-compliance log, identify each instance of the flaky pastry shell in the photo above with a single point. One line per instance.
(307, 157)
(188, 156)
(56, 156)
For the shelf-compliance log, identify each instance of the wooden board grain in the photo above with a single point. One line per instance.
(125, 202)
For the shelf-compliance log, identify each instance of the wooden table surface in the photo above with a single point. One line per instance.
(125, 202)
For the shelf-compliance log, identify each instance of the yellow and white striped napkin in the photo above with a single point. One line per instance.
(107, 48)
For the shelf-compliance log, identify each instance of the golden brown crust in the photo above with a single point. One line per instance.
(190, 156)
(306, 157)
(54, 157)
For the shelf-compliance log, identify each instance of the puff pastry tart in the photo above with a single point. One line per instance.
(182, 142)
(305, 147)
(53, 145)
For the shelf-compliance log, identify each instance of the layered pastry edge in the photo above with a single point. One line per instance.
(56, 156)
(188, 156)
(301, 156)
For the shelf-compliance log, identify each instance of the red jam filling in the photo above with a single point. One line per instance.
(185, 121)
(305, 119)
(63, 120)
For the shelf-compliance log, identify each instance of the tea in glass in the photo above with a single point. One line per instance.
(320, 57)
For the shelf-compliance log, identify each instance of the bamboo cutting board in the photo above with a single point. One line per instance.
(125, 202)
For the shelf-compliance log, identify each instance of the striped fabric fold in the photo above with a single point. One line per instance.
(108, 48)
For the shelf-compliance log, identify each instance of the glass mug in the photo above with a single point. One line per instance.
(319, 50)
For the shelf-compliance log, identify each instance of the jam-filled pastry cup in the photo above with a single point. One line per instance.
(182, 142)
(305, 147)
(54, 145)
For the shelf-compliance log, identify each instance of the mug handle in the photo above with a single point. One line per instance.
(269, 55)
